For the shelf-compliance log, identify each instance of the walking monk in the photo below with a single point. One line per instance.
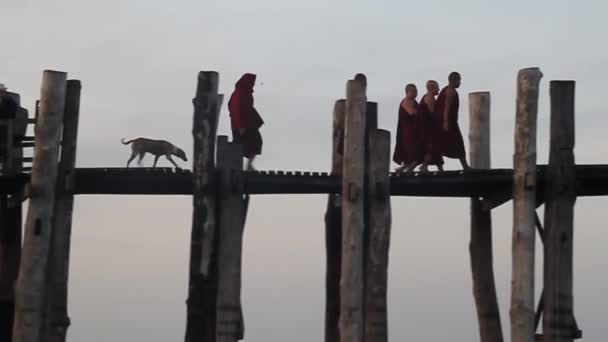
(409, 152)
(446, 112)
(245, 120)
(426, 108)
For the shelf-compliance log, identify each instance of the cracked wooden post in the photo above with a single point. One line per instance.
(560, 195)
(202, 282)
(480, 247)
(58, 320)
(333, 232)
(524, 205)
(379, 231)
(32, 283)
(230, 325)
(351, 279)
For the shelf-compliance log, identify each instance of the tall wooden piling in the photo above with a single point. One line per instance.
(33, 281)
(480, 247)
(351, 281)
(230, 325)
(202, 282)
(524, 205)
(560, 195)
(58, 320)
(379, 231)
(333, 231)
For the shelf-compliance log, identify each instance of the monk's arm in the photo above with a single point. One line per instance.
(449, 102)
(410, 107)
(430, 102)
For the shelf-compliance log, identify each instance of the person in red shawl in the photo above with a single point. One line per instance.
(426, 108)
(245, 120)
(450, 140)
(409, 151)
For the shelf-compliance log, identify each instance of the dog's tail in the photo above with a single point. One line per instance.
(126, 142)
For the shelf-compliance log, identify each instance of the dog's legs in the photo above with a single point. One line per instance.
(168, 156)
(141, 157)
(155, 160)
(133, 155)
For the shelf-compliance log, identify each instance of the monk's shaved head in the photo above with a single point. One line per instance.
(432, 85)
(410, 87)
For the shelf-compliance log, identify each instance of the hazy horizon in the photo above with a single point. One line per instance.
(138, 62)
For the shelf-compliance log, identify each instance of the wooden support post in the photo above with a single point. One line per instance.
(351, 282)
(480, 247)
(230, 327)
(333, 232)
(202, 283)
(524, 205)
(32, 283)
(58, 320)
(560, 195)
(379, 231)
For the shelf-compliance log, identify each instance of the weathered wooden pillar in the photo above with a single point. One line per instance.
(230, 325)
(333, 232)
(202, 282)
(379, 231)
(58, 320)
(351, 281)
(560, 195)
(33, 281)
(480, 247)
(524, 205)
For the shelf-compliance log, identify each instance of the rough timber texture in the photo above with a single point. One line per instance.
(351, 281)
(524, 205)
(33, 280)
(560, 194)
(480, 247)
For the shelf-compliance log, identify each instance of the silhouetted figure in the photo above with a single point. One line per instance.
(8, 105)
(245, 120)
(446, 113)
(361, 78)
(426, 108)
(409, 152)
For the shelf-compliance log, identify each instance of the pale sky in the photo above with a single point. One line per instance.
(138, 62)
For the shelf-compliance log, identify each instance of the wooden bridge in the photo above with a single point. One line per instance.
(358, 217)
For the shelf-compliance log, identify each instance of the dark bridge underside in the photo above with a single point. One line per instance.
(592, 180)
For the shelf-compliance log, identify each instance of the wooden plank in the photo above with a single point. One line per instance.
(560, 195)
(379, 231)
(202, 282)
(230, 327)
(524, 206)
(32, 282)
(333, 232)
(351, 282)
(480, 247)
(58, 320)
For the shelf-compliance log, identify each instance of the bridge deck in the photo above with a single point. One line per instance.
(592, 180)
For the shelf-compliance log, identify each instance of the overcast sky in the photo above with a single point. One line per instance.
(138, 61)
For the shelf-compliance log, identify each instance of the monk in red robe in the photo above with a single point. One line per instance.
(409, 152)
(245, 120)
(426, 108)
(450, 140)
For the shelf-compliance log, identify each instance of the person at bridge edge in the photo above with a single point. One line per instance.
(8, 105)
(426, 108)
(409, 151)
(361, 78)
(449, 139)
(245, 120)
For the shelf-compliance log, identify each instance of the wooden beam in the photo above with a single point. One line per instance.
(58, 320)
(379, 231)
(560, 196)
(202, 282)
(351, 282)
(333, 231)
(524, 205)
(33, 281)
(480, 247)
(230, 325)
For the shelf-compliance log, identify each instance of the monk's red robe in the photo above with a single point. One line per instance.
(450, 142)
(431, 131)
(243, 115)
(410, 132)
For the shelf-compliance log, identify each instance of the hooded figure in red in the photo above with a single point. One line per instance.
(245, 120)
